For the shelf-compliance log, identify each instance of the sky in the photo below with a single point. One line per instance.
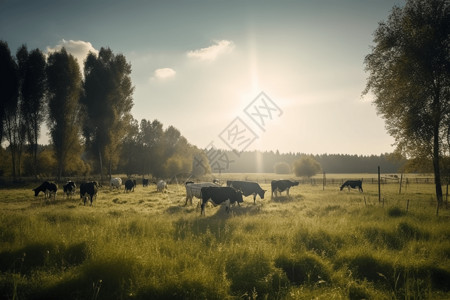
(242, 75)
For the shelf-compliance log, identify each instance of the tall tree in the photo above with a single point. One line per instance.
(9, 108)
(409, 75)
(64, 91)
(107, 104)
(32, 91)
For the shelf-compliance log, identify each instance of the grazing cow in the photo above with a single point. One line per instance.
(161, 186)
(69, 188)
(48, 188)
(248, 188)
(116, 182)
(88, 189)
(218, 195)
(144, 182)
(281, 186)
(195, 190)
(352, 184)
(129, 185)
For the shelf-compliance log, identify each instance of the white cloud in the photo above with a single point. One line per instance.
(164, 73)
(212, 52)
(79, 49)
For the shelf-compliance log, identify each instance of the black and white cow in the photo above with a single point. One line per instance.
(195, 190)
(248, 188)
(145, 182)
(161, 186)
(48, 188)
(218, 195)
(282, 185)
(129, 185)
(116, 183)
(352, 184)
(69, 188)
(88, 189)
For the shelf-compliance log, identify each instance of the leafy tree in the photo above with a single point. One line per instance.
(409, 74)
(64, 91)
(32, 91)
(10, 110)
(200, 163)
(150, 139)
(306, 166)
(107, 104)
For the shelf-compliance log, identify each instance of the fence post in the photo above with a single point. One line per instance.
(379, 187)
(324, 182)
(401, 179)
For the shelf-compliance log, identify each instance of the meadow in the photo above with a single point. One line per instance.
(319, 243)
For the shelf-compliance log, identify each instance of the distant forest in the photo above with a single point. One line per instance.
(265, 162)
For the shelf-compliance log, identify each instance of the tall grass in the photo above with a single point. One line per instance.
(146, 245)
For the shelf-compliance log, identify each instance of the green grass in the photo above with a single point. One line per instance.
(322, 244)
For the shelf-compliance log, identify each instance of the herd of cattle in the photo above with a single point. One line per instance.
(212, 192)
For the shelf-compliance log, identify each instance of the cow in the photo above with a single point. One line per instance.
(281, 186)
(218, 195)
(129, 185)
(88, 189)
(248, 188)
(352, 184)
(161, 186)
(144, 182)
(194, 190)
(48, 188)
(116, 183)
(69, 188)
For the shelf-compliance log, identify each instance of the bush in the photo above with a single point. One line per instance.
(306, 166)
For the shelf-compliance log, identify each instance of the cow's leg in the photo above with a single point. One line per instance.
(227, 205)
(287, 192)
(254, 199)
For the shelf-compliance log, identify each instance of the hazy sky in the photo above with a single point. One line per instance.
(201, 65)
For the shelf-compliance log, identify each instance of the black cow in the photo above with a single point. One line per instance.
(352, 184)
(129, 185)
(144, 182)
(69, 188)
(282, 185)
(48, 188)
(248, 188)
(218, 195)
(88, 189)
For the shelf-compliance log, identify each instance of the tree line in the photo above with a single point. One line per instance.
(88, 115)
(285, 163)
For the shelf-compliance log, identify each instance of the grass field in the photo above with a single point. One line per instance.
(319, 243)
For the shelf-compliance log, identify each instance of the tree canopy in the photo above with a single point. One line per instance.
(409, 75)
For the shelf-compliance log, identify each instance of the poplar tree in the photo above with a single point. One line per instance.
(107, 103)
(32, 94)
(9, 102)
(64, 91)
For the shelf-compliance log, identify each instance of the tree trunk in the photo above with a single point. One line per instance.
(437, 170)
(101, 166)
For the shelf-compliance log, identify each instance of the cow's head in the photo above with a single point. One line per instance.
(36, 192)
(295, 183)
(261, 193)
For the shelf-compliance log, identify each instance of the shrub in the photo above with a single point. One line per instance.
(306, 166)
